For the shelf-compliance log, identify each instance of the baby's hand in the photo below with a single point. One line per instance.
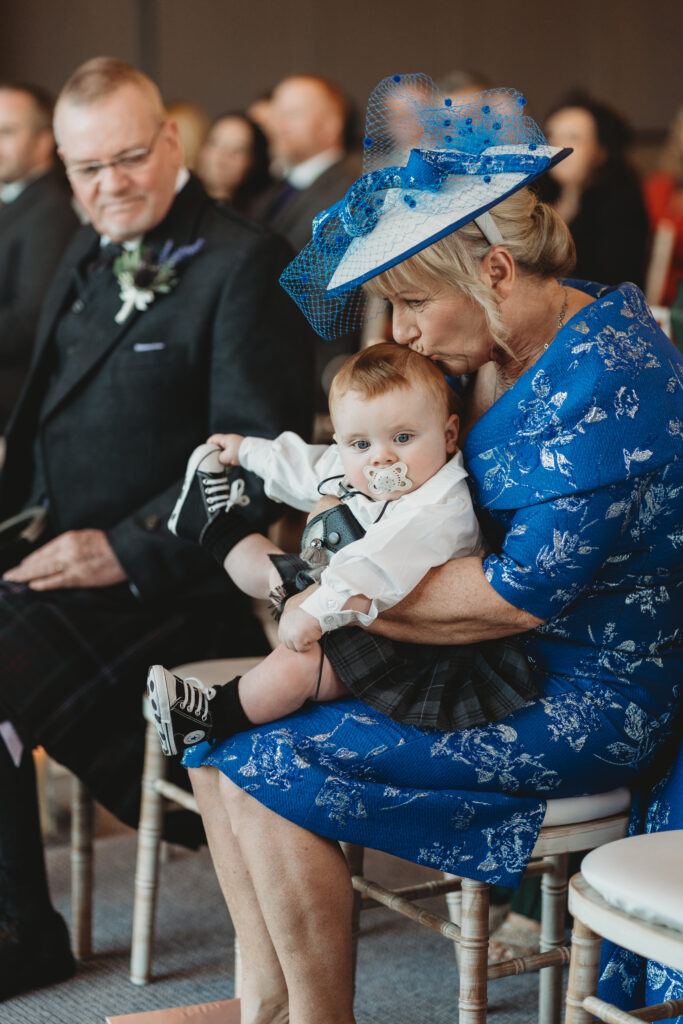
(298, 630)
(230, 443)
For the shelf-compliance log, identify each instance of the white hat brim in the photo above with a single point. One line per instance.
(402, 230)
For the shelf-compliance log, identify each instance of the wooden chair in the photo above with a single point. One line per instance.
(155, 790)
(570, 825)
(82, 868)
(630, 893)
(81, 839)
(661, 254)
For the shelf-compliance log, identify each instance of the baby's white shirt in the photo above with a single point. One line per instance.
(421, 529)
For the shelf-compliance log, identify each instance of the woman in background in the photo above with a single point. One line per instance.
(233, 162)
(596, 191)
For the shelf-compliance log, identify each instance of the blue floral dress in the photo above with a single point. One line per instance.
(578, 480)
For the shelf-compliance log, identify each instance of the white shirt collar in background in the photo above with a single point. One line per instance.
(12, 191)
(303, 175)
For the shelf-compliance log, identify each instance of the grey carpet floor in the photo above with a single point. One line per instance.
(406, 974)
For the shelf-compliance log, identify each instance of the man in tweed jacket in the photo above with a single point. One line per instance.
(118, 395)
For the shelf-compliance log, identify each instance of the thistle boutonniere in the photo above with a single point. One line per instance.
(142, 274)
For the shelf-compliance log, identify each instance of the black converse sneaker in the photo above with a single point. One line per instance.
(180, 708)
(206, 493)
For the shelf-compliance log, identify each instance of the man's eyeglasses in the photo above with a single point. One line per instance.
(127, 162)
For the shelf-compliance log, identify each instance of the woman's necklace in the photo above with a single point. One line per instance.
(502, 383)
(560, 317)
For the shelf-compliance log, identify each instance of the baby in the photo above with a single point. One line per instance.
(395, 503)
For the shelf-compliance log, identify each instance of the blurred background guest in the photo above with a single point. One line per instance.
(36, 222)
(233, 162)
(259, 111)
(664, 200)
(597, 192)
(310, 128)
(193, 124)
(455, 84)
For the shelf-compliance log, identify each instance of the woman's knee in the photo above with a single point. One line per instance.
(236, 802)
(204, 781)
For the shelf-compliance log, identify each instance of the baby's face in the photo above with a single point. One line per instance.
(404, 425)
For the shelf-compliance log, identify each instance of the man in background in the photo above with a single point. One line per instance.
(36, 222)
(309, 125)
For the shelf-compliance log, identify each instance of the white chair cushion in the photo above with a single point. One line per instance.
(216, 672)
(641, 875)
(572, 809)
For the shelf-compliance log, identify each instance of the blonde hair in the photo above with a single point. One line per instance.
(102, 76)
(534, 234)
(386, 367)
(193, 127)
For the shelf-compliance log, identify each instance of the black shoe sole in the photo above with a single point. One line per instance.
(193, 464)
(161, 709)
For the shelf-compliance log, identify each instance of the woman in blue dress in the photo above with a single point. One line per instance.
(573, 445)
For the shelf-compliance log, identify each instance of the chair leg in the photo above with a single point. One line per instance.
(147, 867)
(583, 972)
(354, 858)
(82, 816)
(553, 918)
(454, 905)
(474, 944)
(237, 987)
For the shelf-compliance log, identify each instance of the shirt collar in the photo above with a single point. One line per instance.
(304, 174)
(13, 189)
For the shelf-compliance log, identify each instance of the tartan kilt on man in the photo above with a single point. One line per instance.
(72, 674)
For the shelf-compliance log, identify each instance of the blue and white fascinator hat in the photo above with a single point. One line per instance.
(431, 164)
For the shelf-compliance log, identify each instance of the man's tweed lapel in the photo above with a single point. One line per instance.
(178, 226)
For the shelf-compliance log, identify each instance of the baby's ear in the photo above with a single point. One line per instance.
(452, 428)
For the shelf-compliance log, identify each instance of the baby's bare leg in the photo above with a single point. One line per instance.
(326, 501)
(249, 567)
(285, 679)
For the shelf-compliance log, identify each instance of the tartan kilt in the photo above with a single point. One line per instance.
(432, 686)
(73, 665)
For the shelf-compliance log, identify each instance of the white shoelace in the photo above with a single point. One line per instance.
(222, 495)
(197, 697)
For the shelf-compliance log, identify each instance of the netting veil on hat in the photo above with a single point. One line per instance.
(431, 164)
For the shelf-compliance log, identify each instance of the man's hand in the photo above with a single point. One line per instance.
(79, 558)
(298, 630)
(230, 443)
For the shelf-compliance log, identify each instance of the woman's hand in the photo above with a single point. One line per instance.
(297, 629)
(230, 443)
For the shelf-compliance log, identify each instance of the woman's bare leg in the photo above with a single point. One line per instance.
(281, 683)
(295, 886)
(263, 997)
